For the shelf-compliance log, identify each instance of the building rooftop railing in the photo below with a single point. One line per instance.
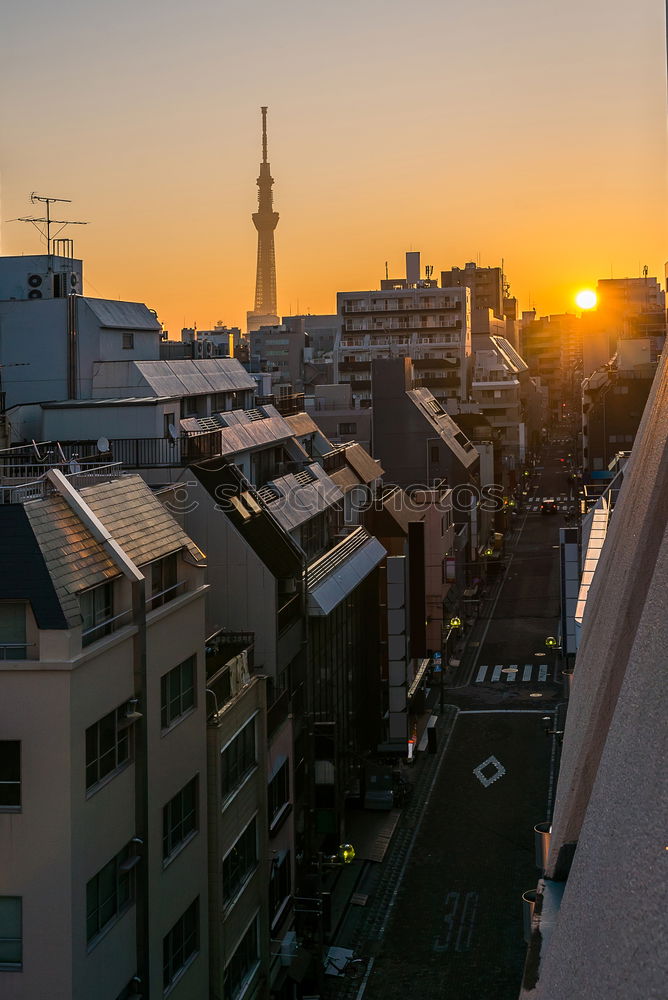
(13, 491)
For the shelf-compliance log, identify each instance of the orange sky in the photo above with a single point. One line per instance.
(530, 132)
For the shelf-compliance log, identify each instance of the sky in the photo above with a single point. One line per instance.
(529, 132)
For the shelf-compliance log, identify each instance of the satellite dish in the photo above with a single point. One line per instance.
(102, 445)
(171, 430)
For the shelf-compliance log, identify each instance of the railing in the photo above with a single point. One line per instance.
(37, 488)
(337, 555)
(334, 460)
(15, 647)
(278, 713)
(287, 406)
(157, 600)
(105, 627)
(289, 613)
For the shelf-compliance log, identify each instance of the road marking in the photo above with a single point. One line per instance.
(503, 711)
(526, 676)
(462, 919)
(496, 674)
(481, 674)
(511, 671)
(542, 672)
(498, 772)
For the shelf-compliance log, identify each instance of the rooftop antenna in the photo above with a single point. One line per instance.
(387, 275)
(48, 221)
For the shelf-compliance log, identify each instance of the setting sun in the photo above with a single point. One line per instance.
(586, 299)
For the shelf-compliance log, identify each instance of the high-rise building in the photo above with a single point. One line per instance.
(486, 284)
(265, 221)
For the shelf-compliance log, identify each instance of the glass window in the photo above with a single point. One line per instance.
(109, 893)
(279, 792)
(280, 883)
(96, 611)
(237, 759)
(12, 630)
(240, 862)
(11, 935)
(242, 964)
(162, 577)
(10, 774)
(180, 944)
(128, 341)
(177, 692)
(107, 746)
(179, 818)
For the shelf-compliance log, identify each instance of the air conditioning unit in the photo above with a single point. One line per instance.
(198, 349)
(208, 348)
(37, 286)
(34, 293)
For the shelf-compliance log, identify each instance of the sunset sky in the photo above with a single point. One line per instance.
(525, 130)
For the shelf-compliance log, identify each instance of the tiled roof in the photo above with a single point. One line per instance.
(75, 561)
(192, 378)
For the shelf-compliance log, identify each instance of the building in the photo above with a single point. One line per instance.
(613, 400)
(414, 319)
(103, 824)
(486, 285)
(499, 386)
(279, 350)
(552, 348)
(598, 927)
(421, 448)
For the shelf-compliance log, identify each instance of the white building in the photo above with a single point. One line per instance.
(416, 319)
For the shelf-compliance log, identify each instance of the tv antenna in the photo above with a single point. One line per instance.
(48, 221)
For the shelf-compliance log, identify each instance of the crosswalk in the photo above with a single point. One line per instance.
(509, 673)
(562, 503)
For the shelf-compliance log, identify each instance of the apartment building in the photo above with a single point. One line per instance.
(103, 829)
(499, 388)
(485, 283)
(552, 348)
(430, 325)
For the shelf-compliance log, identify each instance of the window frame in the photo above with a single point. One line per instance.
(176, 973)
(233, 991)
(168, 720)
(128, 340)
(234, 879)
(170, 846)
(122, 738)
(164, 580)
(100, 626)
(4, 782)
(233, 777)
(13, 966)
(122, 895)
(18, 650)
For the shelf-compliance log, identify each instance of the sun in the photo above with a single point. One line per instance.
(586, 299)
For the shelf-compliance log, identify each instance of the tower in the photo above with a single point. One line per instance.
(265, 221)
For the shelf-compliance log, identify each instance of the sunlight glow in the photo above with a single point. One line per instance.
(586, 299)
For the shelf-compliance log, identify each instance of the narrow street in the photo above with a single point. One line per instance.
(453, 927)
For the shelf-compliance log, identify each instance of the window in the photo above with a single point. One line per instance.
(177, 692)
(10, 774)
(11, 937)
(162, 576)
(96, 612)
(128, 341)
(279, 793)
(237, 759)
(179, 818)
(107, 746)
(240, 862)
(12, 630)
(109, 893)
(180, 944)
(350, 428)
(242, 965)
(168, 420)
(279, 883)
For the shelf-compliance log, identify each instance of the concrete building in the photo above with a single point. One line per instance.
(613, 400)
(499, 387)
(279, 350)
(103, 828)
(422, 448)
(598, 927)
(552, 348)
(486, 285)
(430, 325)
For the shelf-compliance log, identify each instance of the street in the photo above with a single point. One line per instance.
(455, 927)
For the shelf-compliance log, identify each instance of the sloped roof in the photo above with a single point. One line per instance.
(443, 424)
(192, 378)
(242, 435)
(76, 561)
(25, 576)
(367, 468)
(296, 500)
(513, 360)
(114, 315)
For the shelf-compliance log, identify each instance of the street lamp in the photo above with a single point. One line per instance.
(454, 625)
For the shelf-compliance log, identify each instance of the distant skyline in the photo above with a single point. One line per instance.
(527, 132)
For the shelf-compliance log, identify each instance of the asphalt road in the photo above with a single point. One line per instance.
(455, 932)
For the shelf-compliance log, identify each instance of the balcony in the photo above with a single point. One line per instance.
(354, 366)
(287, 406)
